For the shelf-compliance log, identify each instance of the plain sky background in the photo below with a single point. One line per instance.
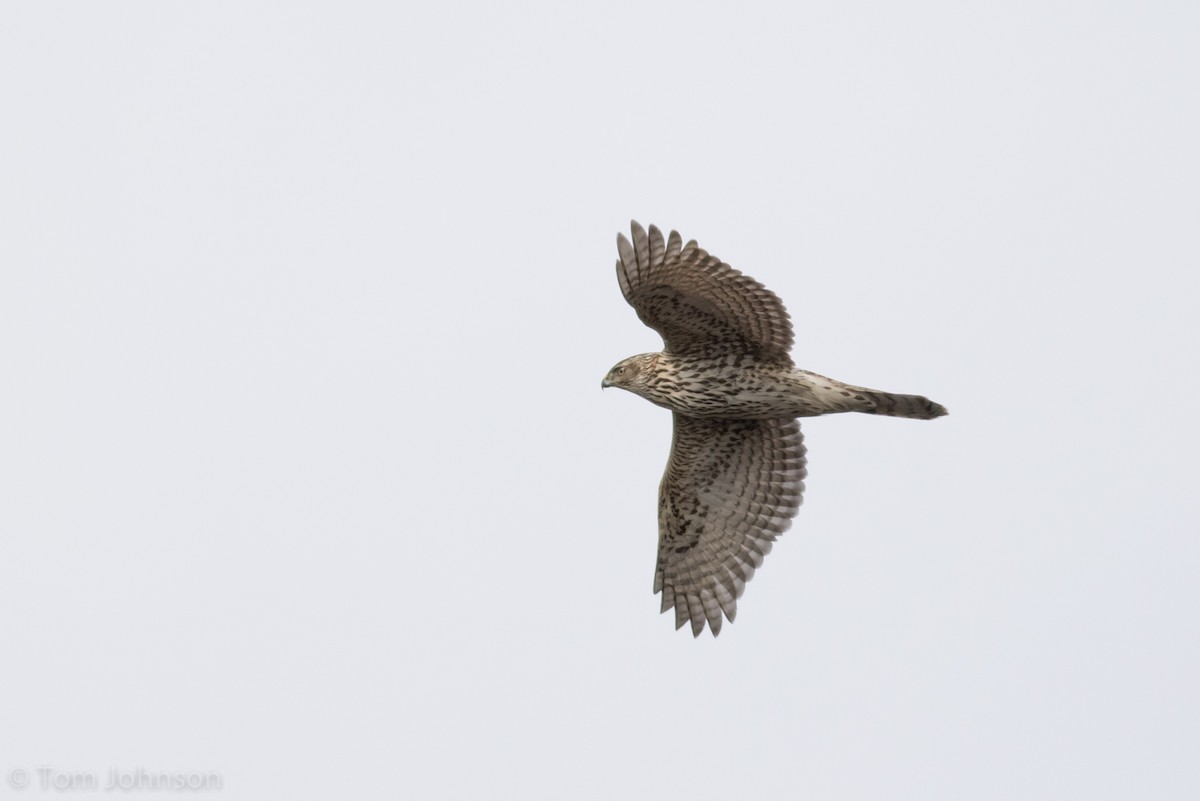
(306, 476)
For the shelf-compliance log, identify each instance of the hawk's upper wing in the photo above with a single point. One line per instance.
(698, 303)
(731, 487)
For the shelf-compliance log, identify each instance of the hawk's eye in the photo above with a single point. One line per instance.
(620, 370)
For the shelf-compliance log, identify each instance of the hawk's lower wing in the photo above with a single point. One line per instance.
(731, 487)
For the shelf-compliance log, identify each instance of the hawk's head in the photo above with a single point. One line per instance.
(632, 373)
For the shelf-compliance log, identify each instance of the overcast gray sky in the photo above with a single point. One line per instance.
(308, 480)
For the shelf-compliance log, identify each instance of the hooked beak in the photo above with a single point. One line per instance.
(605, 384)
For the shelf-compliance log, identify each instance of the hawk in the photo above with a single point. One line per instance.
(736, 472)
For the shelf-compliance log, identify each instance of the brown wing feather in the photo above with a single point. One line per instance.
(698, 303)
(730, 488)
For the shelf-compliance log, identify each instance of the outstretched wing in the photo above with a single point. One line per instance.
(731, 487)
(698, 303)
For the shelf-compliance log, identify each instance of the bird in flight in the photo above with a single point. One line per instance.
(736, 472)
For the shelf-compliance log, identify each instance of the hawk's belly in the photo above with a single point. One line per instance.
(754, 392)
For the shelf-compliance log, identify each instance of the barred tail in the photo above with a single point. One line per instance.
(832, 396)
(918, 407)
